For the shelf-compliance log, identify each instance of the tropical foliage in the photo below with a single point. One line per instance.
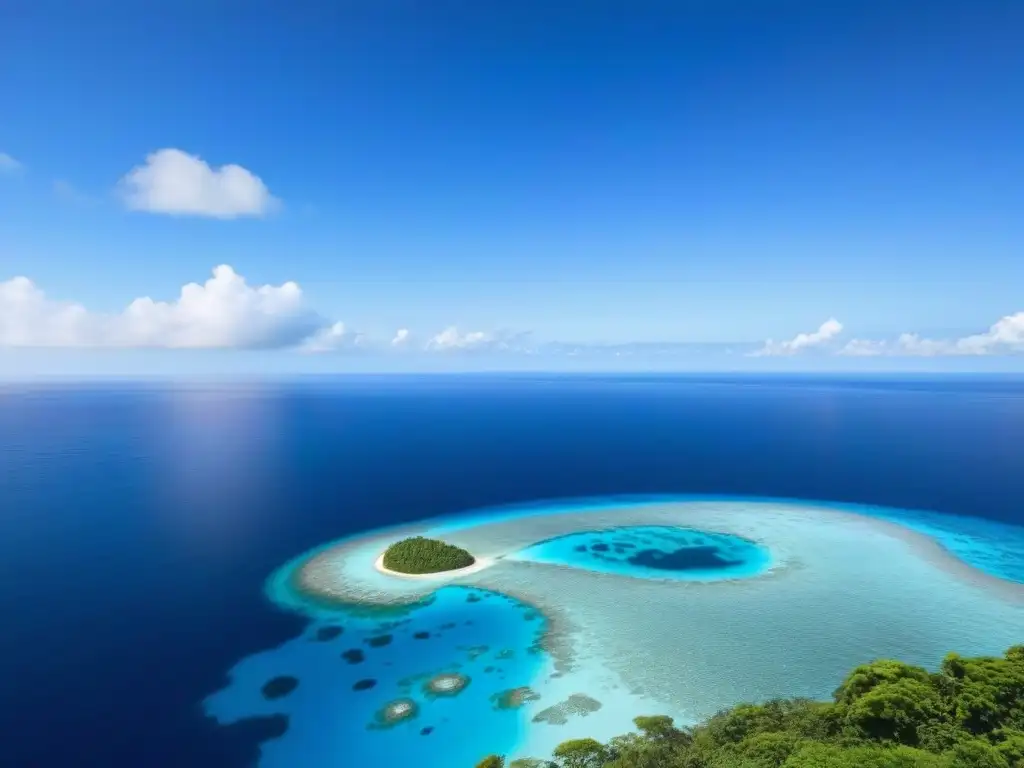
(423, 555)
(886, 714)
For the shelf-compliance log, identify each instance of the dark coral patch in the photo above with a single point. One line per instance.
(325, 634)
(426, 731)
(280, 686)
(353, 656)
(473, 598)
(684, 559)
(378, 641)
(421, 635)
(364, 685)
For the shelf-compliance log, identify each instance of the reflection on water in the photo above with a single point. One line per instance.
(219, 453)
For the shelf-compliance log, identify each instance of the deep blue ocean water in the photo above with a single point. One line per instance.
(138, 523)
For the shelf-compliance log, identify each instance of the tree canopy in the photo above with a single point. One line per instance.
(422, 555)
(886, 714)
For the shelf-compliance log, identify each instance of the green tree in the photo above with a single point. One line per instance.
(895, 711)
(767, 750)
(1015, 654)
(1010, 744)
(492, 761)
(422, 555)
(987, 691)
(873, 756)
(867, 676)
(977, 754)
(580, 753)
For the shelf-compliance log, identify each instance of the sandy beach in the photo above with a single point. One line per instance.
(479, 564)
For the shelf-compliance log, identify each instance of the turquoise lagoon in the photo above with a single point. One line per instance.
(585, 614)
(654, 552)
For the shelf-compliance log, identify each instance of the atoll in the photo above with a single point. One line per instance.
(720, 594)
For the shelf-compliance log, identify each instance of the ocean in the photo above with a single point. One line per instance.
(139, 522)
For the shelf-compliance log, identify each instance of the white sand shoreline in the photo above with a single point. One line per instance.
(479, 564)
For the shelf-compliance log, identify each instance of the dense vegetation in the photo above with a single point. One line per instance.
(886, 714)
(422, 555)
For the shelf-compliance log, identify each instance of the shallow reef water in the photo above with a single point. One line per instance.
(583, 615)
(340, 684)
(656, 552)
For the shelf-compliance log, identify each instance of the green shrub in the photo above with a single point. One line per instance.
(422, 555)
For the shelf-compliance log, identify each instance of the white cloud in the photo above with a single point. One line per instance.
(224, 312)
(401, 338)
(8, 164)
(1005, 336)
(451, 338)
(29, 319)
(175, 182)
(326, 339)
(864, 348)
(332, 338)
(802, 341)
(906, 345)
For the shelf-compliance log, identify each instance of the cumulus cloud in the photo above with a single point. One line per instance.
(826, 332)
(174, 182)
(864, 348)
(327, 339)
(224, 312)
(452, 338)
(8, 164)
(1005, 336)
(333, 338)
(401, 338)
(29, 319)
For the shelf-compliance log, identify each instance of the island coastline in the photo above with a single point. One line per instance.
(479, 564)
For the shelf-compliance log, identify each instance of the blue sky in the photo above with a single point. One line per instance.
(564, 184)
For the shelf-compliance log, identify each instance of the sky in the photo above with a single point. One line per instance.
(218, 186)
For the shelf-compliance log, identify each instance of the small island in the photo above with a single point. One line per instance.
(420, 555)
